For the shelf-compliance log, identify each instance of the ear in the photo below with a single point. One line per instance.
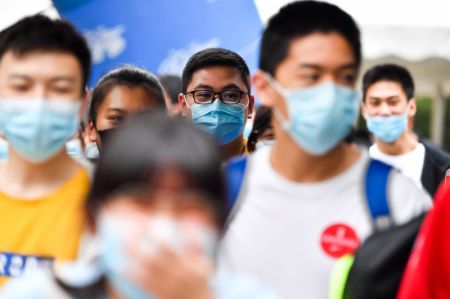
(251, 105)
(264, 90)
(412, 107)
(364, 112)
(182, 104)
(181, 100)
(92, 131)
(84, 103)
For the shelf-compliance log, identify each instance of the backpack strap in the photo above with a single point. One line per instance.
(376, 189)
(234, 174)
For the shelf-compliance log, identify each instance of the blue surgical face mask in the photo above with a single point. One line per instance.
(4, 149)
(387, 128)
(114, 261)
(319, 117)
(224, 121)
(264, 143)
(38, 128)
(92, 151)
(74, 148)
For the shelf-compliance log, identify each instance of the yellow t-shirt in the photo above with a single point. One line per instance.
(245, 152)
(33, 233)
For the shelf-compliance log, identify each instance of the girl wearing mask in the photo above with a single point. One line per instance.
(121, 93)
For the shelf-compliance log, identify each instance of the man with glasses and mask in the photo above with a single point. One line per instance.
(216, 97)
(389, 108)
(302, 204)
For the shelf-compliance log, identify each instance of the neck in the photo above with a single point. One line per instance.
(405, 144)
(296, 165)
(19, 177)
(232, 149)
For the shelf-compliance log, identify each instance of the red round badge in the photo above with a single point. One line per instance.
(338, 240)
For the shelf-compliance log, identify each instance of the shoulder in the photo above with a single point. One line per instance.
(36, 285)
(87, 166)
(436, 154)
(245, 163)
(406, 199)
(238, 286)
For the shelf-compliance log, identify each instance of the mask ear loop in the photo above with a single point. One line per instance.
(285, 123)
(186, 102)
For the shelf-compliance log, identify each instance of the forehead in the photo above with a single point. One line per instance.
(385, 89)
(145, 200)
(327, 50)
(128, 98)
(217, 77)
(42, 65)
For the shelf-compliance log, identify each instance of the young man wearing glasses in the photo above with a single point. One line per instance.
(216, 97)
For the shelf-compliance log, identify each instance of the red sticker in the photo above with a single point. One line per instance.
(338, 240)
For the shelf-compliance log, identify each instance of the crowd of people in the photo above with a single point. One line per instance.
(147, 187)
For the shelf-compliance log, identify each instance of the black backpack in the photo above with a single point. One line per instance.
(379, 263)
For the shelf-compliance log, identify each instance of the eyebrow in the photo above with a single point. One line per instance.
(18, 76)
(116, 110)
(320, 68)
(58, 78)
(229, 86)
(204, 86)
(63, 78)
(381, 98)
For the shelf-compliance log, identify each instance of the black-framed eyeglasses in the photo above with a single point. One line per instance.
(226, 96)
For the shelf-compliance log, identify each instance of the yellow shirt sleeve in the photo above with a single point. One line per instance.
(34, 233)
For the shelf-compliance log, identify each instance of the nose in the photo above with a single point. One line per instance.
(384, 109)
(39, 91)
(328, 78)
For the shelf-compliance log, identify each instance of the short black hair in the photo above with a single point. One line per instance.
(150, 143)
(302, 18)
(40, 33)
(214, 57)
(389, 72)
(126, 75)
(172, 85)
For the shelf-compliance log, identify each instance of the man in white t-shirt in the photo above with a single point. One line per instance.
(302, 202)
(389, 108)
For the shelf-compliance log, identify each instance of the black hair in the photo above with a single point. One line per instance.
(214, 57)
(126, 75)
(302, 18)
(261, 123)
(389, 72)
(172, 85)
(40, 33)
(150, 143)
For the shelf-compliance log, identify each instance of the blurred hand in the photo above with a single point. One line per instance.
(172, 275)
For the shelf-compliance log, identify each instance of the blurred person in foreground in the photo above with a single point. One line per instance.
(157, 211)
(427, 275)
(44, 68)
(302, 202)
